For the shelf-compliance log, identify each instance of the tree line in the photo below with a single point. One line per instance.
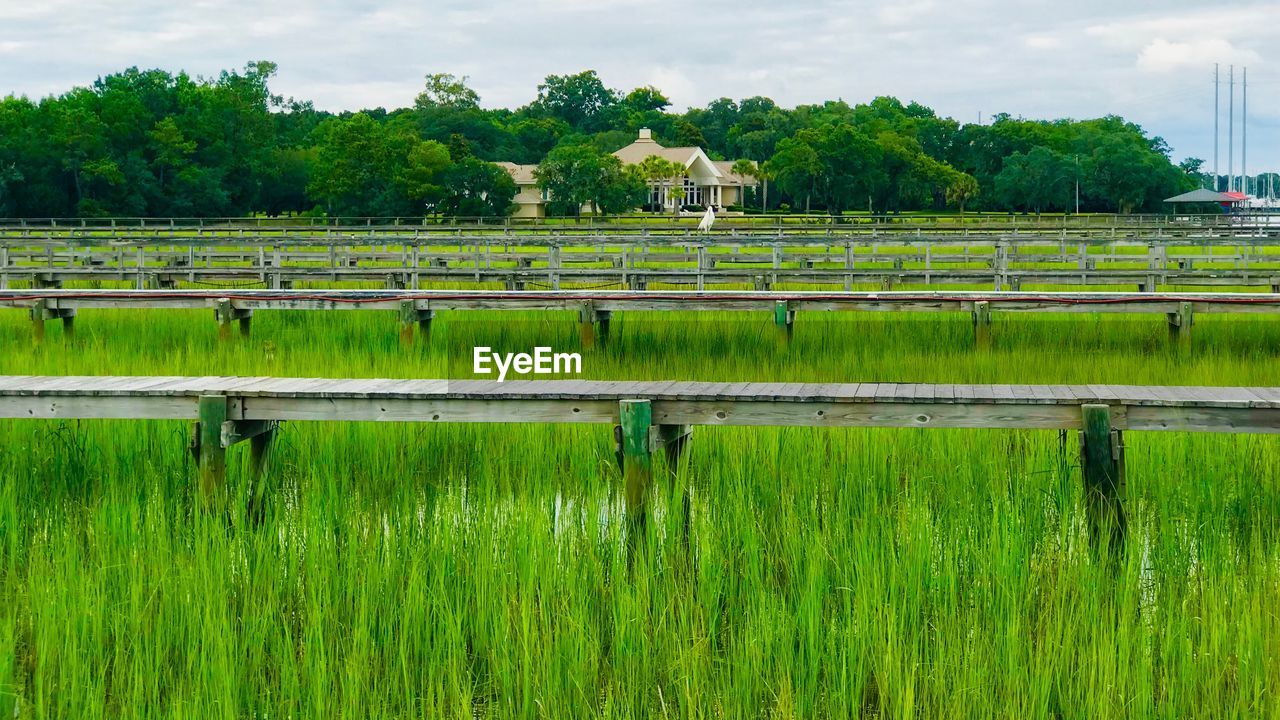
(152, 143)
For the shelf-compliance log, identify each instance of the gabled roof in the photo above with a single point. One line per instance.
(1205, 196)
(522, 174)
(645, 145)
(728, 175)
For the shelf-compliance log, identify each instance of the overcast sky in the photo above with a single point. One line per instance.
(1151, 62)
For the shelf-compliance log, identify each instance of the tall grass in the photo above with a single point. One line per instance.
(480, 571)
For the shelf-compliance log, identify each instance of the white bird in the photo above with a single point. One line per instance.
(708, 219)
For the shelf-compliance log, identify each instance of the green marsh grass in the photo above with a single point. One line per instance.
(480, 571)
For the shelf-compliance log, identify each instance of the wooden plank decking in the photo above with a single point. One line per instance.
(651, 300)
(1135, 407)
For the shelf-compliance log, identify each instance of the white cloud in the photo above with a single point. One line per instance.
(1149, 63)
(1161, 55)
(1042, 42)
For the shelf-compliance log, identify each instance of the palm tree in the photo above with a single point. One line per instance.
(657, 169)
(743, 168)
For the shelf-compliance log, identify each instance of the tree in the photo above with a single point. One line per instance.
(646, 99)
(743, 168)
(659, 171)
(795, 167)
(364, 168)
(620, 188)
(1034, 180)
(848, 165)
(444, 90)
(961, 189)
(568, 175)
(580, 100)
(475, 188)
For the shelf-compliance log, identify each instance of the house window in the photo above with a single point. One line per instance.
(692, 192)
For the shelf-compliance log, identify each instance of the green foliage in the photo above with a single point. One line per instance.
(146, 142)
(456, 571)
(444, 90)
(577, 175)
(475, 188)
(582, 101)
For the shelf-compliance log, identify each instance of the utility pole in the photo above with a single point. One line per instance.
(1216, 112)
(1244, 132)
(1077, 184)
(1231, 128)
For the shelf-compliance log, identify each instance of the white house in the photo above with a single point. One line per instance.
(706, 181)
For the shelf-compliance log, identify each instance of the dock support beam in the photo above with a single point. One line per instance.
(982, 324)
(42, 311)
(212, 435)
(226, 313)
(1180, 326)
(672, 439)
(1102, 464)
(410, 315)
(784, 319)
(634, 420)
(587, 324)
(211, 456)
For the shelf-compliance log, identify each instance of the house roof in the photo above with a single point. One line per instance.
(643, 147)
(522, 174)
(636, 152)
(726, 169)
(1202, 195)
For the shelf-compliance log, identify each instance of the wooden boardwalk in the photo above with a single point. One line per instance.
(650, 416)
(1136, 407)
(596, 308)
(1202, 258)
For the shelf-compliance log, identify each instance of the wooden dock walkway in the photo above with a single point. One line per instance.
(649, 416)
(596, 308)
(559, 258)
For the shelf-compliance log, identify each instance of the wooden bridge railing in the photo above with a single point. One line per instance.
(650, 416)
(416, 308)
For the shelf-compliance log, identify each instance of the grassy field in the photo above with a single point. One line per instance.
(468, 571)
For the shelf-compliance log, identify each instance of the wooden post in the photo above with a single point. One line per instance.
(260, 446)
(411, 315)
(1102, 464)
(226, 312)
(982, 324)
(634, 419)
(1180, 326)
(211, 456)
(38, 314)
(587, 324)
(68, 323)
(603, 317)
(783, 319)
(672, 439)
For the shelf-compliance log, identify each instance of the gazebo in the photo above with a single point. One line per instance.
(1201, 196)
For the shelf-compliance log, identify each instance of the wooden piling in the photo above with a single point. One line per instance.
(982, 324)
(1180, 326)
(211, 456)
(1102, 465)
(603, 318)
(260, 446)
(783, 319)
(411, 315)
(38, 313)
(634, 419)
(587, 324)
(225, 312)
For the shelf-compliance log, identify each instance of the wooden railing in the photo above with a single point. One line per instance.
(595, 309)
(651, 416)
